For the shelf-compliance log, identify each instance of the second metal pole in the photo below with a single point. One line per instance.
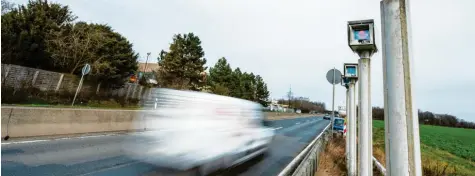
(333, 100)
(352, 166)
(347, 136)
(365, 143)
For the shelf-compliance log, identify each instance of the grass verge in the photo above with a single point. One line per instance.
(444, 151)
(332, 160)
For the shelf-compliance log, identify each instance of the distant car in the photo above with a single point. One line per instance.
(327, 117)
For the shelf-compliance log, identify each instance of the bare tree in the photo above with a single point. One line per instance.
(7, 6)
(77, 45)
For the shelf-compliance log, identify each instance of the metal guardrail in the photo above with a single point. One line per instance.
(306, 161)
(379, 166)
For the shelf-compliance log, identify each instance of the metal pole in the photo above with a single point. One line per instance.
(402, 126)
(352, 129)
(333, 99)
(77, 90)
(347, 137)
(144, 69)
(365, 144)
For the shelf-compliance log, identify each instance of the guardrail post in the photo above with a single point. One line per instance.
(352, 164)
(400, 116)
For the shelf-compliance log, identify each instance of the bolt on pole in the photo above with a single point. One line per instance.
(401, 119)
(352, 166)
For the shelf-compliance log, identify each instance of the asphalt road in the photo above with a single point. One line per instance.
(102, 155)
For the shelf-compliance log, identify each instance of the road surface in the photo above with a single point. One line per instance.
(103, 156)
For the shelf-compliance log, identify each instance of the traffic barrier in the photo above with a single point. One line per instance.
(33, 122)
(20, 122)
(306, 162)
(379, 166)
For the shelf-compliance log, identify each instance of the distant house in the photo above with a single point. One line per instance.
(148, 71)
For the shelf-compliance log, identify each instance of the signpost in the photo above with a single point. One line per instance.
(333, 77)
(85, 70)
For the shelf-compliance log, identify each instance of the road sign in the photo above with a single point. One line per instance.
(86, 69)
(334, 76)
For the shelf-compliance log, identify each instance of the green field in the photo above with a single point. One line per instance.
(440, 146)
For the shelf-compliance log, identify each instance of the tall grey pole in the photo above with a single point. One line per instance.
(401, 119)
(352, 164)
(365, 144)
(146, 62)
(333, 100)
(347, 136)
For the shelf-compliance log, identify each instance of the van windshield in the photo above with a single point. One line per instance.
(339, 122)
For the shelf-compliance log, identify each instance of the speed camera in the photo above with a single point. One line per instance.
(361, 36)
(350, 70)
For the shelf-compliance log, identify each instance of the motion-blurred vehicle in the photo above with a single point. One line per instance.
(327, 117)
(198, 132)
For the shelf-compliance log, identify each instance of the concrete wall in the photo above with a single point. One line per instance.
(34, 122)
(22, 77)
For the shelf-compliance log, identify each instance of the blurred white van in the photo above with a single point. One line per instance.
(199, 132)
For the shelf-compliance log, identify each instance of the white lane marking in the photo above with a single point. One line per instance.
(277, 128)
(65, 138)
(297, 123)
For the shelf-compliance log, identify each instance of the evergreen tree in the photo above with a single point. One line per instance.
(262, 94)
(182, 66)
(25, 30)
(235, 83)
(248, 86)
(220, 77)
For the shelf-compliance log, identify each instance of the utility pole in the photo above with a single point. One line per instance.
(361, 39)
(289, 95)
(403, 155)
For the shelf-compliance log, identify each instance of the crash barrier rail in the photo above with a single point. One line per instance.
(306, 161)
(379, 166)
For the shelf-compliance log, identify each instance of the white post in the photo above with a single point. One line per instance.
(347, 136)
(77, 90)
(401, 120)
(365, 144)
(58, 85)
(35, 76)
(333, 100)
(352, 129)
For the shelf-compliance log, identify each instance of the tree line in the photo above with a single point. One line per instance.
(304, 104)
(430, 118)
(46, 36)
(183, 67)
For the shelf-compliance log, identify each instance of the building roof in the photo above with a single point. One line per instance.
(150, 67)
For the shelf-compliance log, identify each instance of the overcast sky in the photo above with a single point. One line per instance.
(296, 42)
